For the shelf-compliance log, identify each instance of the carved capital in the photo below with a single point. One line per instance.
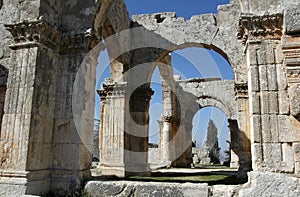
(111, 90)
(34, 33)
(260, 27)
(78, 43)
(142, 93)
(167, 117)
(241, 90)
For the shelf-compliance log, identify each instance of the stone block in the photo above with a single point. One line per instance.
(294, 95)
(263, 77)
(128, 188)
(270, 55)
(292, 19)
(252, 56)
(296, 151)
(270, 184)
(261, 55)
(273, 102)
(255, 128)
(284, 103)
(281, 77)
(267, 135)
(257, 156)
(286, 132)
(272, 78)
(266, 157)
(287, 164)
(254, 79)
(265, 102)
(274, 128)
(254, 103)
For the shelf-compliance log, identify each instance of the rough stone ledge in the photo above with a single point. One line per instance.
(270, 184)
(130, 188)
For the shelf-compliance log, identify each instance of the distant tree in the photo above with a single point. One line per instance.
(212, 134)
(212, 142)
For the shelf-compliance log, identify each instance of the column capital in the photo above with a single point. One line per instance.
(34, 33)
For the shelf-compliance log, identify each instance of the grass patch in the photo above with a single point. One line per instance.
(210, 179)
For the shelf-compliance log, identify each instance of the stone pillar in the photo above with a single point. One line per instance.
(137, 131)
(43, 149)
(27, 127)
(240, 130)
(268, 98)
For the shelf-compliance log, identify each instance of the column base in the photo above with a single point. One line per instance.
(68, 182)
(112, 171)
(18, 183)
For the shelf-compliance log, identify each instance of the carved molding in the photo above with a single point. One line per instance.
(291, 53)
(260, 27)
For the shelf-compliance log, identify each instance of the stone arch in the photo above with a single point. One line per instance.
(214, 102)
(210, 30)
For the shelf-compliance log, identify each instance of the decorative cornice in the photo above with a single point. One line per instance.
(34, 33)
(260, 27)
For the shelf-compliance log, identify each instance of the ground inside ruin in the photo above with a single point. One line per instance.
(210, 174)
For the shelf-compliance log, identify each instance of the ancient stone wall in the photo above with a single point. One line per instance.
(47, 126)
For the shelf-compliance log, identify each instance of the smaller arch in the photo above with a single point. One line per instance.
(206, 101)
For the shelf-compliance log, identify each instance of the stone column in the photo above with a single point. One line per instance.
(112, 133)
(167, 120)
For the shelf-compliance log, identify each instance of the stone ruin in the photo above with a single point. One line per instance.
(48, 57)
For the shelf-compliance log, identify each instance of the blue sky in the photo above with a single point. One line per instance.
(189, 63)
(183, 8)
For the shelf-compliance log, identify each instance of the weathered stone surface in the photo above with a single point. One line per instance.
(270, 184)
(292, 19)
(294, 93)
(47, 95)
(127, 188)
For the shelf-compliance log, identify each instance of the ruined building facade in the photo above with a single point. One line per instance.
(48, 57)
